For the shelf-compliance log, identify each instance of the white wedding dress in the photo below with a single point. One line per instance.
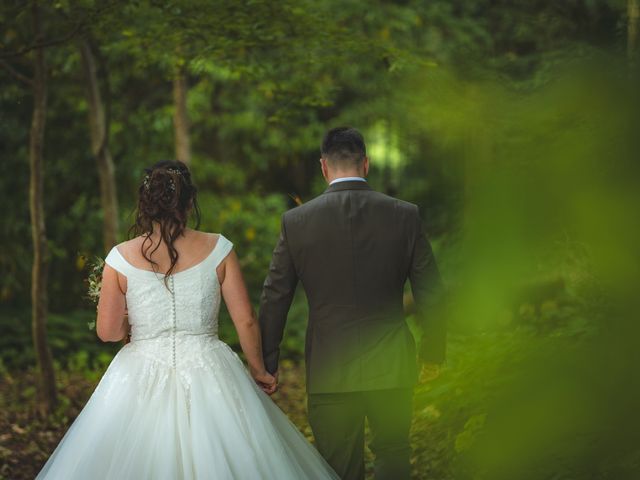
(177, 402)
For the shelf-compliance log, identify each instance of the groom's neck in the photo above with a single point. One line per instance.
(342, 174)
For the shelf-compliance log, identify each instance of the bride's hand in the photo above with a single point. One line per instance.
(267, 382)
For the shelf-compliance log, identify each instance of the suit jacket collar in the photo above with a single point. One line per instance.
(348, 185)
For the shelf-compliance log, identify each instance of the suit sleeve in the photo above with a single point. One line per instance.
(277, 295)
(429, 296)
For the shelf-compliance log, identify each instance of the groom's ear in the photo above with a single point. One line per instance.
(366, 166)
(323, 167)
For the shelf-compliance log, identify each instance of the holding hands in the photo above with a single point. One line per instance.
(267, 382)
(429, 371)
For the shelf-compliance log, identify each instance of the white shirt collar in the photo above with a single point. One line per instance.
(347, 179)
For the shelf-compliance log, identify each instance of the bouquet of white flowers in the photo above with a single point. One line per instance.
(94, 283)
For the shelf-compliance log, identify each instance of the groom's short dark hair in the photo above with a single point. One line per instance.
(343, 146)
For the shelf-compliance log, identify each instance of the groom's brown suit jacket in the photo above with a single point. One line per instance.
(353, 250)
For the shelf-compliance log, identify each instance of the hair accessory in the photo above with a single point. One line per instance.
(172, 184)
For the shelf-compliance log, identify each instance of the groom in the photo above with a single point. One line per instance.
(353, 250)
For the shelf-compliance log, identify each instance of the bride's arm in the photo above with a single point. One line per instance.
(244, 317)
(111, 324)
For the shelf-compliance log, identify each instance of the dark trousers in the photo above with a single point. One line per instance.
(337, 421)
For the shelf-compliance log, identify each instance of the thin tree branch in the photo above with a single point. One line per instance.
(16, 74)
(48, 43)
(74, 32)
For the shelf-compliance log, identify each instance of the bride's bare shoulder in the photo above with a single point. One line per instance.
(133, 244)
(209, 238)
(197, 238)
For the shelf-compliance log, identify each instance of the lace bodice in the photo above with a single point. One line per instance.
(183, 315)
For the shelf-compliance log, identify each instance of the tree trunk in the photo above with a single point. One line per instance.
(47, 397)
(100, 147)
(633, 12)
(181, 117)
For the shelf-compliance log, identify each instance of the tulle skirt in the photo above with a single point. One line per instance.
(149, 420)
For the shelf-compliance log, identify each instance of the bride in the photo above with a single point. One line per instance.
(176, 402)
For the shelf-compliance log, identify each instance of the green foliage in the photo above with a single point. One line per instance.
(509, 123)
(252, 222)
(68, 335)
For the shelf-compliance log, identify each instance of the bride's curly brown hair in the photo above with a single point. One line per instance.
(166, 196)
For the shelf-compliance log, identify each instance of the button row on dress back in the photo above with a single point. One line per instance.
(173, 318)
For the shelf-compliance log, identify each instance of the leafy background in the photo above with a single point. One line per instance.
(512, 124)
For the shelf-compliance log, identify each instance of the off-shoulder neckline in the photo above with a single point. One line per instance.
(153, 272)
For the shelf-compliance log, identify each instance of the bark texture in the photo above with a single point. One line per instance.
(47, 395)
(99, 129)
